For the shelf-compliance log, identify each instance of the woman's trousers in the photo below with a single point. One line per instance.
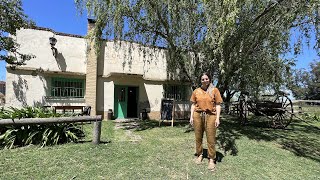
(205, 122)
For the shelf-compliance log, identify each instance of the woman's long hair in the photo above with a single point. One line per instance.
(210, 89)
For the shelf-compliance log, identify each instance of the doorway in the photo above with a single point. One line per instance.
(126, 101)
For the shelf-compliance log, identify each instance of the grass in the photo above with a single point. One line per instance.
(146, 151)
(307, 108)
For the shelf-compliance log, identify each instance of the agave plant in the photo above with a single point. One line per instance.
(61, 133)
(44, 135)
(4, 114)
(8, 138)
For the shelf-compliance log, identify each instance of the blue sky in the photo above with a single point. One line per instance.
(59, 15)
(62, 16)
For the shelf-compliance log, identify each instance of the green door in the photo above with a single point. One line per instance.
(120, 101)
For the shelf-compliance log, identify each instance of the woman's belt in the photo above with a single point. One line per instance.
(206, 111)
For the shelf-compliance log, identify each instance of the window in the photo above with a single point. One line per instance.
(177, 92)
(63, 87)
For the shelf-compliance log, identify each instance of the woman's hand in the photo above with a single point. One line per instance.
(217, 123)
(191, 121)
(218, 110)
(191, 114)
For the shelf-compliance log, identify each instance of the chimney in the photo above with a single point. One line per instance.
(91, 24)
(91, 75)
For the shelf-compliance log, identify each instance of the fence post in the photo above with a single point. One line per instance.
(96, 132)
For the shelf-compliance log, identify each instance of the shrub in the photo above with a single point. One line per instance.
(44, 134)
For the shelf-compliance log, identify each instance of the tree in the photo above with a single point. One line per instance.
(306, 84)
(12, 18)
(241, 42)
(249, 38)
(314, 85)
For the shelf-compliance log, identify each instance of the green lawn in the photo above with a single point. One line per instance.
(152, 152)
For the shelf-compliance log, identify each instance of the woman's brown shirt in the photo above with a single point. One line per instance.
(204, 102)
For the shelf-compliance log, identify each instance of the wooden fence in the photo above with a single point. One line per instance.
(26, 121)
(299, 106)
(306, 106)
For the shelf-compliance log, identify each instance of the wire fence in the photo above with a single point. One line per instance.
(306, 106)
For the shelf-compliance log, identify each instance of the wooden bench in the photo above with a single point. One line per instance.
(64, 108)
(85, 110)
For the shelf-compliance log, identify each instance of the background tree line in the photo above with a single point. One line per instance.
(306, 84)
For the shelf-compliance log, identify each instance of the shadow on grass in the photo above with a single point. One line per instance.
(88, 141)
(300, 138)
(141, 125)
(136, 124)
(219, 155)
(226, 139)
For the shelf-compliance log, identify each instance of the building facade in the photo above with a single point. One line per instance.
(125, 77)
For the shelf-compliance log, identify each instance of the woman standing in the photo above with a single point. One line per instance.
(205, 114)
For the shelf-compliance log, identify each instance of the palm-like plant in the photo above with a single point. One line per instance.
(44, 135)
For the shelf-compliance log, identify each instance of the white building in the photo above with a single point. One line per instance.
(126, 77)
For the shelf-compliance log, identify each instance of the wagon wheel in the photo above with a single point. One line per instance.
(284, 114)
(243, 108)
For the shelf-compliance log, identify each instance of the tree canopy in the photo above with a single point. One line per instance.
(241, 42)
(12, 18)
(306, 84)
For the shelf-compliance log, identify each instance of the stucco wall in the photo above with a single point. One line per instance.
(155, 94)
(105, 93)
(71, 51)
(126, 57)
(24, 89)
(131, 58)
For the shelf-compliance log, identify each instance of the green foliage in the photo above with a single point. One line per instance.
(44, 135)
(28, 112)
(241, 43)
(306, 84)
(12, 18)
(311, 117)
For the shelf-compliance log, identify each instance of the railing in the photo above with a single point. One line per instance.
(67, 92)
(299, 106)
(177, 92)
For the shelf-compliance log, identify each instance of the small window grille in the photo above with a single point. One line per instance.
(177, 92)
(63, 87)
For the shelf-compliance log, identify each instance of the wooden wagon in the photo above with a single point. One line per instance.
(278, 109)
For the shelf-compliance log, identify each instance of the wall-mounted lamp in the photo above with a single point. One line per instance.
(37, 71)
(53, 42)
(34, 73)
